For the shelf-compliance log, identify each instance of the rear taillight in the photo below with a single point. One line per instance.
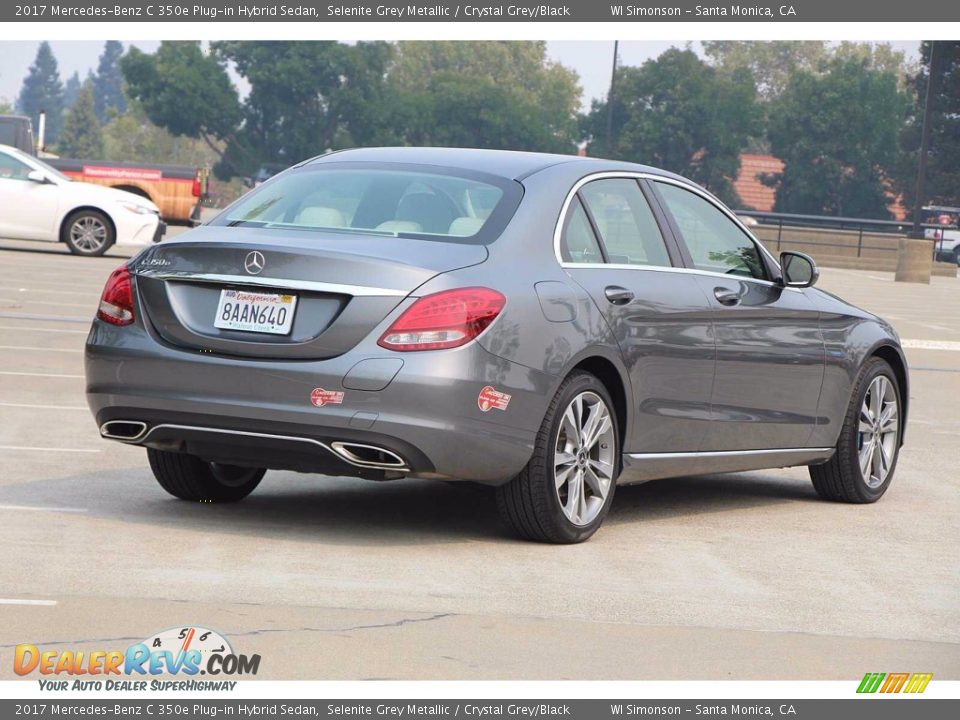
(116, 302)
(444, 320)
(197, 188)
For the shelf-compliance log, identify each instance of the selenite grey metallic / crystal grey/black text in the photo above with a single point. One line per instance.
(548, 325)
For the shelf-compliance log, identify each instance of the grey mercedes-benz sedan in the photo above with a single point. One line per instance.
(549, 325)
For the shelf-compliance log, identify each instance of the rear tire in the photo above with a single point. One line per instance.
(88, 232)
(842, 478)
(535, 505)
(189, 478)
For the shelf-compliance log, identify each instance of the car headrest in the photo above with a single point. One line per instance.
(321, 217)
(466, 226)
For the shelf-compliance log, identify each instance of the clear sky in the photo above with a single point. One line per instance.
(591, 59)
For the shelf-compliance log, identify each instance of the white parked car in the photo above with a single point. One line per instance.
(40, 203)
(946, 238)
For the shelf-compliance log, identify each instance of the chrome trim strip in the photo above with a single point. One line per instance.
(660, 268)
(342, 449)
(279, 283)
(271, 436)
(725, 453)
(558, 230)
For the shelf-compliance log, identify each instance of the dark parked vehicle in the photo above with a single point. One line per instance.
(548, 325)
(17, 131)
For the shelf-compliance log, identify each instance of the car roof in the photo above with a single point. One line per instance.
(511, 164)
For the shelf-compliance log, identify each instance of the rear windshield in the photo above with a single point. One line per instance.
(393, 201)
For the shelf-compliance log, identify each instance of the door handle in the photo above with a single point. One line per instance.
(725, 296)
(618, 295)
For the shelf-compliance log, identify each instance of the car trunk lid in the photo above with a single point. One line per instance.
(344, 284)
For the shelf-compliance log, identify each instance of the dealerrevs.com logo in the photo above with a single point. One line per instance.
(187, 652)
(888, 683)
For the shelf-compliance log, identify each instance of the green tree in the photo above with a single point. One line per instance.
(6, 107)
(132, 137)
(680, 114)
(878, 56)
(943, 164)
(42, 91)
(108, 82)
(185, 91)
(81, 136)
(503, 95)
(71, 89)
(305, 98)
(771, 63)
(836, 131)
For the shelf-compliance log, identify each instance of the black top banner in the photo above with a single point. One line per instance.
(531, 12)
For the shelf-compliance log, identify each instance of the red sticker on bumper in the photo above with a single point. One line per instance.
(321, 397)
(490, 398)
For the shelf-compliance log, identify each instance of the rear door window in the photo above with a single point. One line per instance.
(625, 222)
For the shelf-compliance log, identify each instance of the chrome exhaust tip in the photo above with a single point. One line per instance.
(369, 456)
(123, 430)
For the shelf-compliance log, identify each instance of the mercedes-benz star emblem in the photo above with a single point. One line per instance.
(254, 262)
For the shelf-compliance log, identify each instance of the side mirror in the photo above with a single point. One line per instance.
(798, 270)
(37, 177)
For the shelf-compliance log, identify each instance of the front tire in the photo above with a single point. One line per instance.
(565, 491)
(862, 468)
(190, 478)
(88, 232)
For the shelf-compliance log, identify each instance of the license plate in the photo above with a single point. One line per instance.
(255, 312)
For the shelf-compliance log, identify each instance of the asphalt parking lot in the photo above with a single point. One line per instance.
(745, 576)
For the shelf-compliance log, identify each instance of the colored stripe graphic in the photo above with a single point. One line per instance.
(894, 682)
(870, 682)
(918, 682)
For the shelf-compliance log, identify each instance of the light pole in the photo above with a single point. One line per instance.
(921, 187)
(610, 99)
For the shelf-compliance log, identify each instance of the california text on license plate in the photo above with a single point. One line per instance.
(255, 312)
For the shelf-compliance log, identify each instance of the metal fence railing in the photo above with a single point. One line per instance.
(824, 222)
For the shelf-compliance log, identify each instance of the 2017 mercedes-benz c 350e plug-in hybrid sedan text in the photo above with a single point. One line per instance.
(547, 325)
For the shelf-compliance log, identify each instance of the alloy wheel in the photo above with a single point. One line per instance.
(878, 431)
(88, 233)
(584, 458)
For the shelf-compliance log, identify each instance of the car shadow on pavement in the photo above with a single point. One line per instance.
(689, 496)
(313, 508)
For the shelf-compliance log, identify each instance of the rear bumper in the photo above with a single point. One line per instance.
(260, 413)
(253, 443)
